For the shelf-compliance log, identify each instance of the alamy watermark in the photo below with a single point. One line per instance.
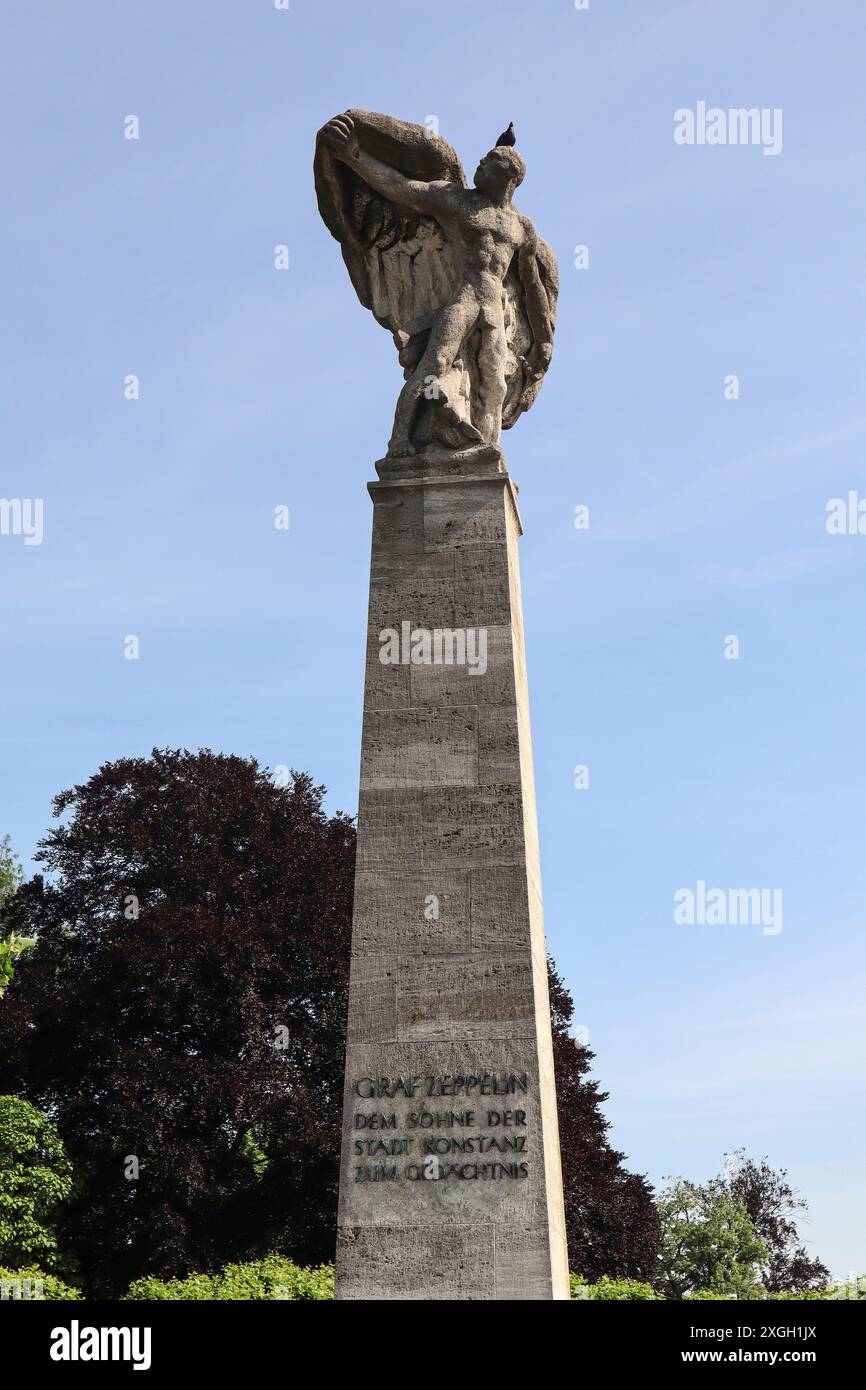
(77, 1343)
(734, 907)
(22, 516)
(846, 516)
(18, 1288)
(438, 646)
(738, 125)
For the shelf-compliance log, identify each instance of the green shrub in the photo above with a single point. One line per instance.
(151, 1290)
(804, 1295)
(271, 1278)
(707, 1294)
(619, 1289)
(33, 1283)
(853, 1288)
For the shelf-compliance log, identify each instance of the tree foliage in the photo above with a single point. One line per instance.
(35, 1176)
(11, 876)
(185, 1009)
(772, 1204)
(12, 944)
(709, 1244)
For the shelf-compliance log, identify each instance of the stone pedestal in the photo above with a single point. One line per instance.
(450, 1182)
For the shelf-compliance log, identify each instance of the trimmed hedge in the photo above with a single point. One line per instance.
(271, 1278)
(276, 1278)
(32, 1283)
(619, 1289)
(806, 1294)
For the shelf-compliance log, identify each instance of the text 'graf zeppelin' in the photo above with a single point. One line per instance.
(492, 1149)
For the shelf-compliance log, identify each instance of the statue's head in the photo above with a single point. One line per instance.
(500, 171)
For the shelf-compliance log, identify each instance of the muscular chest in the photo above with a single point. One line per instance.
(491, 225)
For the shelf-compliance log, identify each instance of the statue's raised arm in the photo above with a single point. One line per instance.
(457, 274)
(417, 194)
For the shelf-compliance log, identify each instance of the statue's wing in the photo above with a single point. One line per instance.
(522, 384)
(398, 260)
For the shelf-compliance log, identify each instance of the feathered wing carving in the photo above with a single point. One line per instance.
(401, 267)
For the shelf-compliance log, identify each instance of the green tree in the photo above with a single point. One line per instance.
(11, 944)
(11, 876)
(709, 1243)
(773, 1204)
(35, 1175)
(186, 1007)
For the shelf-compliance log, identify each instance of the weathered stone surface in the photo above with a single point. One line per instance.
(522, 1257)
(443, 827)
(425, 746)
(392, 914)
(466, 996)
(383, 1257)
(450, 1182)
(373, 1016)
(500, 910)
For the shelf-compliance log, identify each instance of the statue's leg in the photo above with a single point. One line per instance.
(450, 327)
(492, 358)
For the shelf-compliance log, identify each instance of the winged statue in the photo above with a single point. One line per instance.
(457, 275)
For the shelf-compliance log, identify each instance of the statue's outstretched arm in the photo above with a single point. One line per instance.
(411, 193)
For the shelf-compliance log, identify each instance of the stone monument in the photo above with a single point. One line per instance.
(450, 1184)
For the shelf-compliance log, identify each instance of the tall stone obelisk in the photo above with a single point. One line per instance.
(450, 1183)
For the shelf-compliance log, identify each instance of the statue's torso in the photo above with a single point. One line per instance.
(483, 237)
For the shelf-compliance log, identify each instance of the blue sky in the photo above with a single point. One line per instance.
(707, 515)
